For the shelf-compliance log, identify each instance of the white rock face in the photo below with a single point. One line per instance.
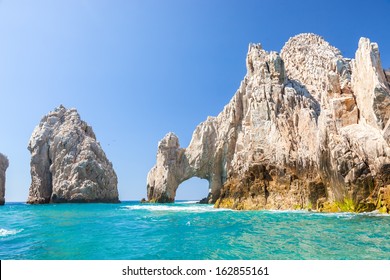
(3, 167)
(67, 163)
(370, 85)
(303, 130)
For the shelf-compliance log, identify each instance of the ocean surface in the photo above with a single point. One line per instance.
(185, 230)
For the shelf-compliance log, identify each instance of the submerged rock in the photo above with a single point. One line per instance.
(306, 129)
(67, 163)
(3, 167)
(204, 200)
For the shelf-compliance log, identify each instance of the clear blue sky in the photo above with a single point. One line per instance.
(136, 70)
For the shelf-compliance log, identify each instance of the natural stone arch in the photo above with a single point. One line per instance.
(306, 128)
(213, 148)
(175, 165)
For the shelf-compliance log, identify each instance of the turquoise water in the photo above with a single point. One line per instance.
(186, 231)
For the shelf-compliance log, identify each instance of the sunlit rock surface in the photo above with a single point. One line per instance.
(307, 129)
(67, 163)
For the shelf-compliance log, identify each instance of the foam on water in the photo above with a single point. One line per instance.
(346, 215)
(5, 232)
(349, 215)
(375, 214)
(286, 211)
(188, 202)
(175, 208)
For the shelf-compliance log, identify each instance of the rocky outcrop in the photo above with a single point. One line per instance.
(307, 128)
(67, 163)
(370, 85)
(3, 167)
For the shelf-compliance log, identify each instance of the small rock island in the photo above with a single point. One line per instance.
(3, 167)
(306, 129)
(67, 163)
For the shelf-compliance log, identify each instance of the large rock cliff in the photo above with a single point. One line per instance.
(307, 128)
(67, 163)
(3, 167)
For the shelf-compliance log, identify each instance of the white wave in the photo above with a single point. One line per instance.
(350, 215)
(5, 232)
(172, 208)
(287, 211)
(336, 214)
(188, 202)
(375, 213)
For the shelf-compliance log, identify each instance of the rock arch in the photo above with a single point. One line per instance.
(175, 165)
(306, 128)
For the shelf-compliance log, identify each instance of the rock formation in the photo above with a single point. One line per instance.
(307, 128)
(3, 168)
(67, 163)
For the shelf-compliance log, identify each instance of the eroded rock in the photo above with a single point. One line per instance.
(304, 129)
(370, 85)
(67, 163)
(3, 167)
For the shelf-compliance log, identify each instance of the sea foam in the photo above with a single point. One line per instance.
(188, 202)
(174, 208)
(5, 232)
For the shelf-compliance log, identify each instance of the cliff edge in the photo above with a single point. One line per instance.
(307, 129)
(67, 163)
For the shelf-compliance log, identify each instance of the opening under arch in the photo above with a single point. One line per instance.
(192, 189)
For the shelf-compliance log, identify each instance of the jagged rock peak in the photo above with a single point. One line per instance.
(306, 129)
(370, 86)
(310, 44)
(67, 163)
(3, 167)
(168, 159)
(317, 65)
(169, 141)
(306, 41)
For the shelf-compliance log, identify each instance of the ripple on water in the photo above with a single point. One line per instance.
(131, 230)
